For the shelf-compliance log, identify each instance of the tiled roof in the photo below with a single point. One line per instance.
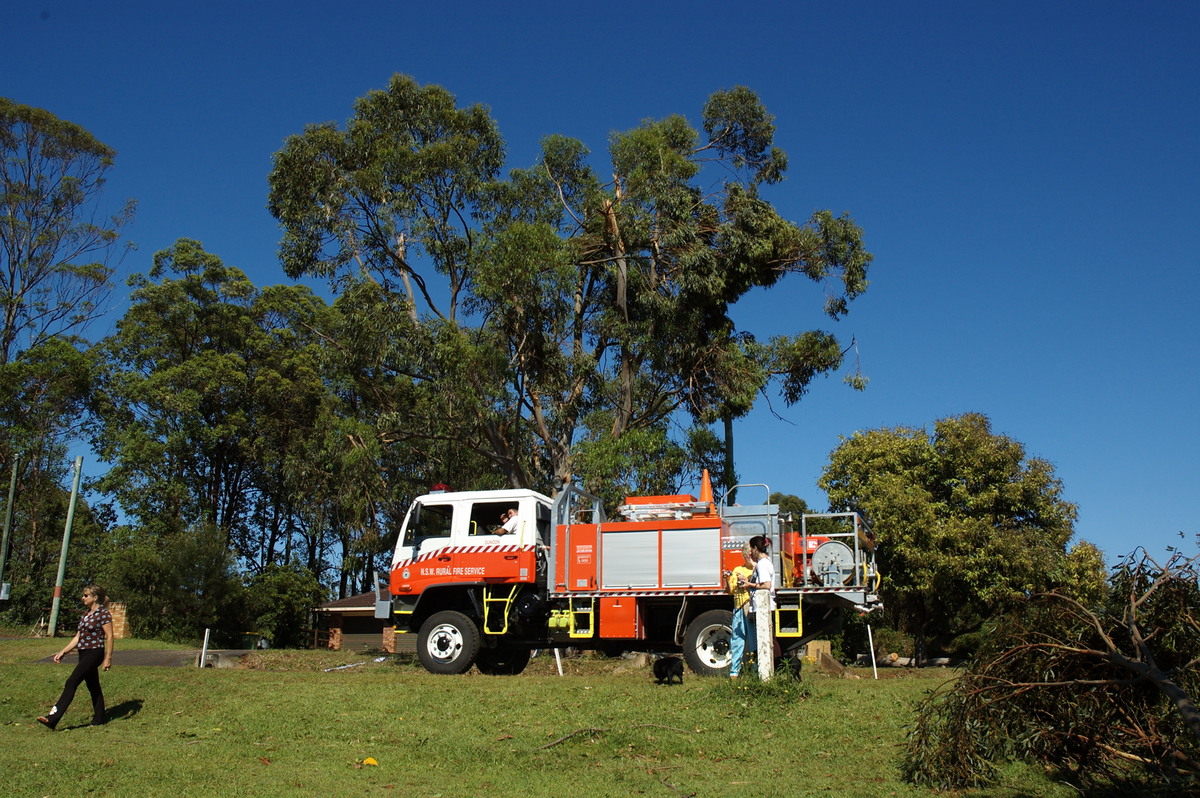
(363, 601)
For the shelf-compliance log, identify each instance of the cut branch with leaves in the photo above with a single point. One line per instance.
(1106, 692)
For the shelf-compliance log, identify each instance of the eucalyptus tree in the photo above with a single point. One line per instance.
(55, 243)
(531, 312)
(223, 408)
(57, 247)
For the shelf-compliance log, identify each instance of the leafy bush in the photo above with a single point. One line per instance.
(176, 586)
(279, 601)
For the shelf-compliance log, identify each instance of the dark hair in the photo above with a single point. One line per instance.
(760, 543)
(98, 592)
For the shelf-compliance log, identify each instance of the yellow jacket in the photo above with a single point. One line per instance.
(740, 595)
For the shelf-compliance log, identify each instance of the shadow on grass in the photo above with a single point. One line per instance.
(125, 709)
(122, 711)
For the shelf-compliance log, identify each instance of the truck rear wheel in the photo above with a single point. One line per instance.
(706, 642)
(503, 660)
(448, 642)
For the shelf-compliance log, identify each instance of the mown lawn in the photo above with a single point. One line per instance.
(289, 726)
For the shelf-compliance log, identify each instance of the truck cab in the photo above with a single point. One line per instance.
(453, 540)
(472, 518)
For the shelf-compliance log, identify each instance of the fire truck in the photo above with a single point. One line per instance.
(650, 580)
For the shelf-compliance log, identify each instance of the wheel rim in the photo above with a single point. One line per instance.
(445, 643)
(712, 646)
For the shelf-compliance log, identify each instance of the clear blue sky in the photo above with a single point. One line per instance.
(1027, 175)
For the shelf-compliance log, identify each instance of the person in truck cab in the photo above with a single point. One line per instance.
(509, 520)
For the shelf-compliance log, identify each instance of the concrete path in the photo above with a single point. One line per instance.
(174, 658)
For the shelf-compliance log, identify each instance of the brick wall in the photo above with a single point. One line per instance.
(120, 619)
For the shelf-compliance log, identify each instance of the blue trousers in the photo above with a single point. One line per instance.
(744, 638)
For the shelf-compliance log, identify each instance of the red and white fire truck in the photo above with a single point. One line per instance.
(567, 576)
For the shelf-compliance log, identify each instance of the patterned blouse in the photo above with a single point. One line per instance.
(91, 628)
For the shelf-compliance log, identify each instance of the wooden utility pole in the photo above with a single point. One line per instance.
(62, 559)
(8, 515)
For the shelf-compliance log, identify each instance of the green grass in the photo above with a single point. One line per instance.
(287, 726)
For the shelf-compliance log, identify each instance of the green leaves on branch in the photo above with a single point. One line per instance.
(575, 294)
(402, 183)
(1103, 689)
(739, 128)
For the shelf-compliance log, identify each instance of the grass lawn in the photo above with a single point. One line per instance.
(286, 725)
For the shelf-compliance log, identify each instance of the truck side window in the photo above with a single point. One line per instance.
(433, 522)
(487, 516)
(543, 522)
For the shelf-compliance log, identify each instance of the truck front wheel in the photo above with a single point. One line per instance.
(706, 642)
(448, 642)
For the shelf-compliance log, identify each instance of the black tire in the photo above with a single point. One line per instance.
(706, 642)
(503, 660)
(448, 642)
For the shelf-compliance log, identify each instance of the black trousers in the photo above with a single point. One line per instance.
(87, 671)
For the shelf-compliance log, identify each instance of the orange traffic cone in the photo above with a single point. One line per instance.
(706, 494)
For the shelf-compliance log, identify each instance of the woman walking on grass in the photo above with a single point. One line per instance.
(94, 640)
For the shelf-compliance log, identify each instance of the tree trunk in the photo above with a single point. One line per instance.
(730, 476)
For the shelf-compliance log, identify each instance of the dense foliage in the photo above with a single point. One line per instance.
(966, 522)
(555, 323)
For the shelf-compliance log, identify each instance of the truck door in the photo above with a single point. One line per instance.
(484, 553)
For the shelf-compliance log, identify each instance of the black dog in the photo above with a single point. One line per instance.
(668, 669)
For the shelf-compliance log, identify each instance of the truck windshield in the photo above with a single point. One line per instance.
(433, 521)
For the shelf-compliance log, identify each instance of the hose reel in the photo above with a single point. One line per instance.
(833, 563)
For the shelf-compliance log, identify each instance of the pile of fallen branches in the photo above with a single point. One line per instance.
(1103, 694)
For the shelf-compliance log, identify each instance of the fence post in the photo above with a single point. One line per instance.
(766, 639)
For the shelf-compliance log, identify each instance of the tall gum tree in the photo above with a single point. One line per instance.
(208, 384)
(224, 409)
(558, 306)
(56, 253)
(56, 247)
(55, 244)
